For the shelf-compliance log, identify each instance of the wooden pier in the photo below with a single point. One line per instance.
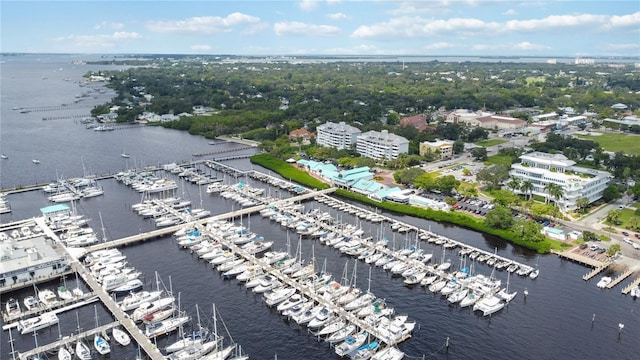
(57, 308)
(65, 117)
(627, 289)
(172, 229)
(65, 341)
(215, 152)
(121, 316)
(581, 259)
(594, 272)
(619, 279)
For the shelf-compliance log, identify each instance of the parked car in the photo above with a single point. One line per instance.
(625, 233)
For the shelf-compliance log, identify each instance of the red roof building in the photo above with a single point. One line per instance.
(418, 121)
(305, 134)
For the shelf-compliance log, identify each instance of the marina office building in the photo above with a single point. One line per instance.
(24, 259)
(577, 182)
(381, 145)
(340, 136)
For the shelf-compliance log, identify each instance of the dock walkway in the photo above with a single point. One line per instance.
(627, 289)
(65, 341)
(581, 259)
(619, 279)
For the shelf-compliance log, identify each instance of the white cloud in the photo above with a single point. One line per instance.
(510, 12)
(439, 46)
(333, 2)
(201, 48)
(97, 41)
(417, 26)
(299, 28)
(624, 21)
(203, 24)
(420, 27)
(555, 21)
(356, 50)
(108, 25)
(308, 5)
(338, 16)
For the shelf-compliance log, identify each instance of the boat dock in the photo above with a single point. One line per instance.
(627, 289)
(594, 272)
(619, 279)
(57, 308)
(66, 340)
(306, 291)
(121, 317)
(172, 229)
(215, 152)
(581, 259)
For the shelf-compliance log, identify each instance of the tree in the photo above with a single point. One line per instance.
(505, 197)
(553, 191)
(611, 193)
(612, 217)
(425, 181)
(613, 249)
(493, 175)
(479, 153)
(450, 200)
(527, 188)
(458, 146)
(582, 204)
(407, 176)
(499, 218)
(447, 183)
(514, 184)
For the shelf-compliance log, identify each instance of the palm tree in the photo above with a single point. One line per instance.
(612, 217)
(557, 192)
(527, 188)
(581, 204)
(514, 184)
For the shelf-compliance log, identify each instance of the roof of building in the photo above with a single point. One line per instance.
(301, 133)
(16, 255)
(341, 127)
(417, 121)
(501, 119)
(54, 209)
(619, 106)
(383, 136)
(439, 143)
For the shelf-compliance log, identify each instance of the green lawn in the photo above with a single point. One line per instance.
(616, 142)
(627, 214)
(490, 142)
(498, 160)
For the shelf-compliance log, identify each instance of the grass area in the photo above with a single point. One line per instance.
(625, 218)
(616, 142)
(498, 160)
(490, 142)
(635, 204)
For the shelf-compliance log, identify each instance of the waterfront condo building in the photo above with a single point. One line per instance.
(576, 182)
(381, 145)
(340, 136)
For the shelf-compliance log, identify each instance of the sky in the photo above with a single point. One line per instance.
(324, 27)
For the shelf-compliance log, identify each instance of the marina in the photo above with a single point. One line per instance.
(263, 331)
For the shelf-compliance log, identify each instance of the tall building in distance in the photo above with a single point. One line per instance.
(340, 136)
(576, 182)
(381, 145)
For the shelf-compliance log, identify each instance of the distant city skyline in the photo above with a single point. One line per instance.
(324, 27)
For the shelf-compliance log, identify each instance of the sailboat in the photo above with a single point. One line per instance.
(82, 350)
(124, 154)
(504, 293)
(101, 345)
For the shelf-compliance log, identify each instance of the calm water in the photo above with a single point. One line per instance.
(553, 322)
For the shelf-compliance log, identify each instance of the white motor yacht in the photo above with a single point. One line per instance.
(36, 323)
(489, 305)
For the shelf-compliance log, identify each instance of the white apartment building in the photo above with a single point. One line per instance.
(340, 136)
(577, 182)
(381, 145)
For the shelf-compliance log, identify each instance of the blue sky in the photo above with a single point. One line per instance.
(333, 27)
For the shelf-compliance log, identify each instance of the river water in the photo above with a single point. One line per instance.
(555, 321)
